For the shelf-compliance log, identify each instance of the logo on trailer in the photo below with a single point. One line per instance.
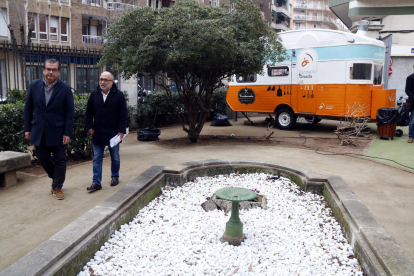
(246, 96)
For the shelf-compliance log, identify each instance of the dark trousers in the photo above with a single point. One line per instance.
(53, 160)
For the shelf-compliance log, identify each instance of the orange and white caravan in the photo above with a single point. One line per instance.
(326, 74)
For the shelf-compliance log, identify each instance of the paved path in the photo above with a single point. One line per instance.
(30, 215)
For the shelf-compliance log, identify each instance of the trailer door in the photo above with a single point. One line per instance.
(307, 80)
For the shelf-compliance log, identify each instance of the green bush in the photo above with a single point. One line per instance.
(14, 96)
(12, 127)
(218, 101)
(80, 145)
(160, 111)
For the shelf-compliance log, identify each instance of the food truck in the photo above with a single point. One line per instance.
(327, 73)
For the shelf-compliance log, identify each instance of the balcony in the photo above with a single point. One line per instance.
(301, 17)
(301, 5)
(116, 6)
(315, 7)
(95, 3)
(280, 25)
(91, 39)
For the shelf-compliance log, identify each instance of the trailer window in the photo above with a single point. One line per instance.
(378, 74)
(360, 71)
(248, 78)
(278, 71)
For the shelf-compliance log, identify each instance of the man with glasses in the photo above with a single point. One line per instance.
(48, 123)
(106, 117)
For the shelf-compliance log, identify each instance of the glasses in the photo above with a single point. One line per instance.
(104, 80)
(53, 70)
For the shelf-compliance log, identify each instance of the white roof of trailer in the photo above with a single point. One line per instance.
(324, 38)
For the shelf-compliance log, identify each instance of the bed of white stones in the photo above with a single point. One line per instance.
(173, 235)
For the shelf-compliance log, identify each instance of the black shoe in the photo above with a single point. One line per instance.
(94, 187)
(114, 181)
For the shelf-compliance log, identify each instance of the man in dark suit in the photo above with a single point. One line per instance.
(48, 122)
(106, 117)
(409, 90)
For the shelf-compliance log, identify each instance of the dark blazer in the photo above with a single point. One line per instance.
(409, 87)
(108, 118)
(54, 120)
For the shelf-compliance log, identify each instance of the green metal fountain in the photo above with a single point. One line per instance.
(234, 227)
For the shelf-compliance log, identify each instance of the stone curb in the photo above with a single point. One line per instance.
(67, 251)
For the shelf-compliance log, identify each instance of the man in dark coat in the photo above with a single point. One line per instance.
(409, 90)
(48, 122)
(106, 117)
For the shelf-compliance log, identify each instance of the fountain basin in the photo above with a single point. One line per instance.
(67, 252)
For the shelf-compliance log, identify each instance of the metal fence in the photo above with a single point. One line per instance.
(20, 65)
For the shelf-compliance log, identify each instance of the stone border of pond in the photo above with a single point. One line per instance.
(70, 249)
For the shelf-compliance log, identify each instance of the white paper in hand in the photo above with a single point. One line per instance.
(115, 141)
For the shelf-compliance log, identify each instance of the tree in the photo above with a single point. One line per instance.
(196, 47)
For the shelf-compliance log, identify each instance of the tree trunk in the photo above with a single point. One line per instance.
(193, 136)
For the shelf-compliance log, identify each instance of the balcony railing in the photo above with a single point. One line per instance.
(91, 39)
(297, 5)
(279, 26)
(96, 3)
(115, 6)
(315, 7)
(300, 17)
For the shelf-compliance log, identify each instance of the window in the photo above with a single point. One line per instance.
(54, 27)
(33, 72)
(3, 22)
(64, 30)
(86, 79)
(360, 71)
(85, 29)
(378, 74)
(248, 78)
(43, 27)
(32, 23)
(278, 71)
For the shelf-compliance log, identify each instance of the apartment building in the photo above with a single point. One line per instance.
(72, 31)
(313, 14)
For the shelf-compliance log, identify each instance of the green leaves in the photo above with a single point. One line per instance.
(11, 127)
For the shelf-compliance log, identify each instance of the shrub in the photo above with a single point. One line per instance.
(14, 96)
(80, 145)
(160, 111)
(218, 101)
(12, 127)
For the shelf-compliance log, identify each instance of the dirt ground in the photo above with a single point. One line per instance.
(320, 144)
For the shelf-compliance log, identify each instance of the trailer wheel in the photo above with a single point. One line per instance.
(285, 119)
(399, 132)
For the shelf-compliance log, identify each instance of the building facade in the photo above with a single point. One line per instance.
(314, 14)
(384, 19)
(72, 31)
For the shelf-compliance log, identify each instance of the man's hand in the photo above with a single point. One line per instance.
(90, 131)
(121, 135)
(66, 140)
(27, 136)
